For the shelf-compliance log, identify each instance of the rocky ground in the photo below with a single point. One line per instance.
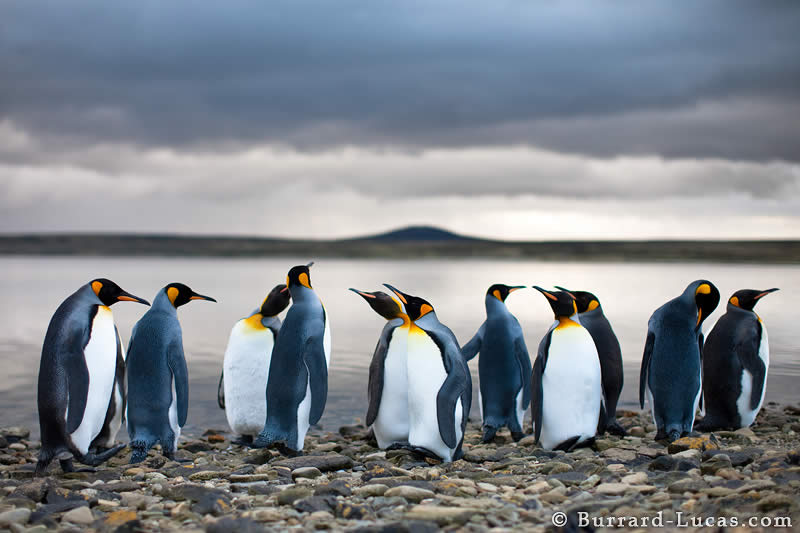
(344, 483)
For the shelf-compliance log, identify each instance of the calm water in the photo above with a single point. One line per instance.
(32, 288)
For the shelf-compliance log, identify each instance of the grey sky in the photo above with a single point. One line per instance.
(511, 119)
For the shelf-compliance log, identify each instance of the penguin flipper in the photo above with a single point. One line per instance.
(648, 353)
(314, 357)
(701, 342)
(471, 349)
(180, 375)
(221, 390)
(449, 393)
(747, 351)
(537, 399)
(524, 360)
(376, 372)
(78, 384)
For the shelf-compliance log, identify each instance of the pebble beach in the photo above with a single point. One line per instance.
(745, 480)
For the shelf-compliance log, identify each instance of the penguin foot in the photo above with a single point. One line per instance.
(672, 435)
(244, 440)
(614, 428)
(489, 433)
(517, 435)
(92, 459)
(45, 457)
(66, 465)
(424, 452)
(286, 450)
(398, 446)
(138, 453)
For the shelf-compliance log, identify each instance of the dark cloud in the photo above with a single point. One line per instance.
(713, 79)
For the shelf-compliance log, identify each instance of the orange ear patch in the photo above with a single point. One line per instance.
(734, 301)
(172, 293)
(96, 287)
(303, 279)
(594, 304)
(425, 309)
(496, 294)
(705, 288)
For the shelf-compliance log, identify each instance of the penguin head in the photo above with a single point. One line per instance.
(110, 293)
(276, 301)
(179, 294)
(382, 303)
(585, 301)
(299, 276)
(414, 306)
(706, 298)
(748, 298)
(562, 302)
(501, 292)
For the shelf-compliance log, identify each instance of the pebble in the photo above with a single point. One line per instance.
(411, 494)
(80, 515)
(309, 472)
(14, 516)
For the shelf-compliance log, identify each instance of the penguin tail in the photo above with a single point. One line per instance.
(139, 449)
(489, 433)
(673, 435)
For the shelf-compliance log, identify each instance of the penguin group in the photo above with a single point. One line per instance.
(274, 381)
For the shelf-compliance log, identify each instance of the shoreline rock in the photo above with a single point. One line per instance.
(343, 483)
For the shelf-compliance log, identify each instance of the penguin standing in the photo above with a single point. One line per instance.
(158, 380)
(297, 387)
(671, 374)
(504, 366)
(77, 374)
(115, 415)
(387, 413)
(567, 390)
(439, 383)
(590, 314)
(245, 367)
(735, 364)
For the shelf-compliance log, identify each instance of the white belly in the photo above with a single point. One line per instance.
(173, 416)
(303, 412)
(426, 375)
(246, 370)
(391, 424)
(571, 388)
(748, 415)
(100, 355)
(326, 341)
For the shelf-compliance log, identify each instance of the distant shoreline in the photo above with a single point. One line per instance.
(401, 244)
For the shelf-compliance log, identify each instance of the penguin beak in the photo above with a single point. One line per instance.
(284, 289)
(561, 288)
(362, 293)
(128, 297)
(768, 291)
(515, 288)
(546, 293)
(399, 293)
(196, 296)
(309, 265)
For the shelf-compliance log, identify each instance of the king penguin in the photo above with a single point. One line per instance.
(504, 366)
(387, 391)
(158, 380)
(567, 392)
(590, 314)
(670, 377)
(297, 387)
(735, 364)
(439, 383)
(77, 374)
(115, 416)
(245, 367)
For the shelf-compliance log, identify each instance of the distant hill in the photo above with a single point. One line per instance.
(418, 234)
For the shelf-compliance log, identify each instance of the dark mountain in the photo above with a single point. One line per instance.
(417, 234)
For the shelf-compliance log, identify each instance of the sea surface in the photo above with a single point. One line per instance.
(31, 288)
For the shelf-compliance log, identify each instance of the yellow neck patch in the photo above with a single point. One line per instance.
(594, 304)
(303, 279)
(566, 322)
(96, 287)
(254, 322)
(172, 293)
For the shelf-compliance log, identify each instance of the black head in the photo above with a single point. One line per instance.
(415, 307)
(748, 298)
(585, 301)
(381, 303)
(179, 294)
(276, 301)
(299, 276)
(706, 297)
(111, 293)
(562, 302)
(501, 292)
